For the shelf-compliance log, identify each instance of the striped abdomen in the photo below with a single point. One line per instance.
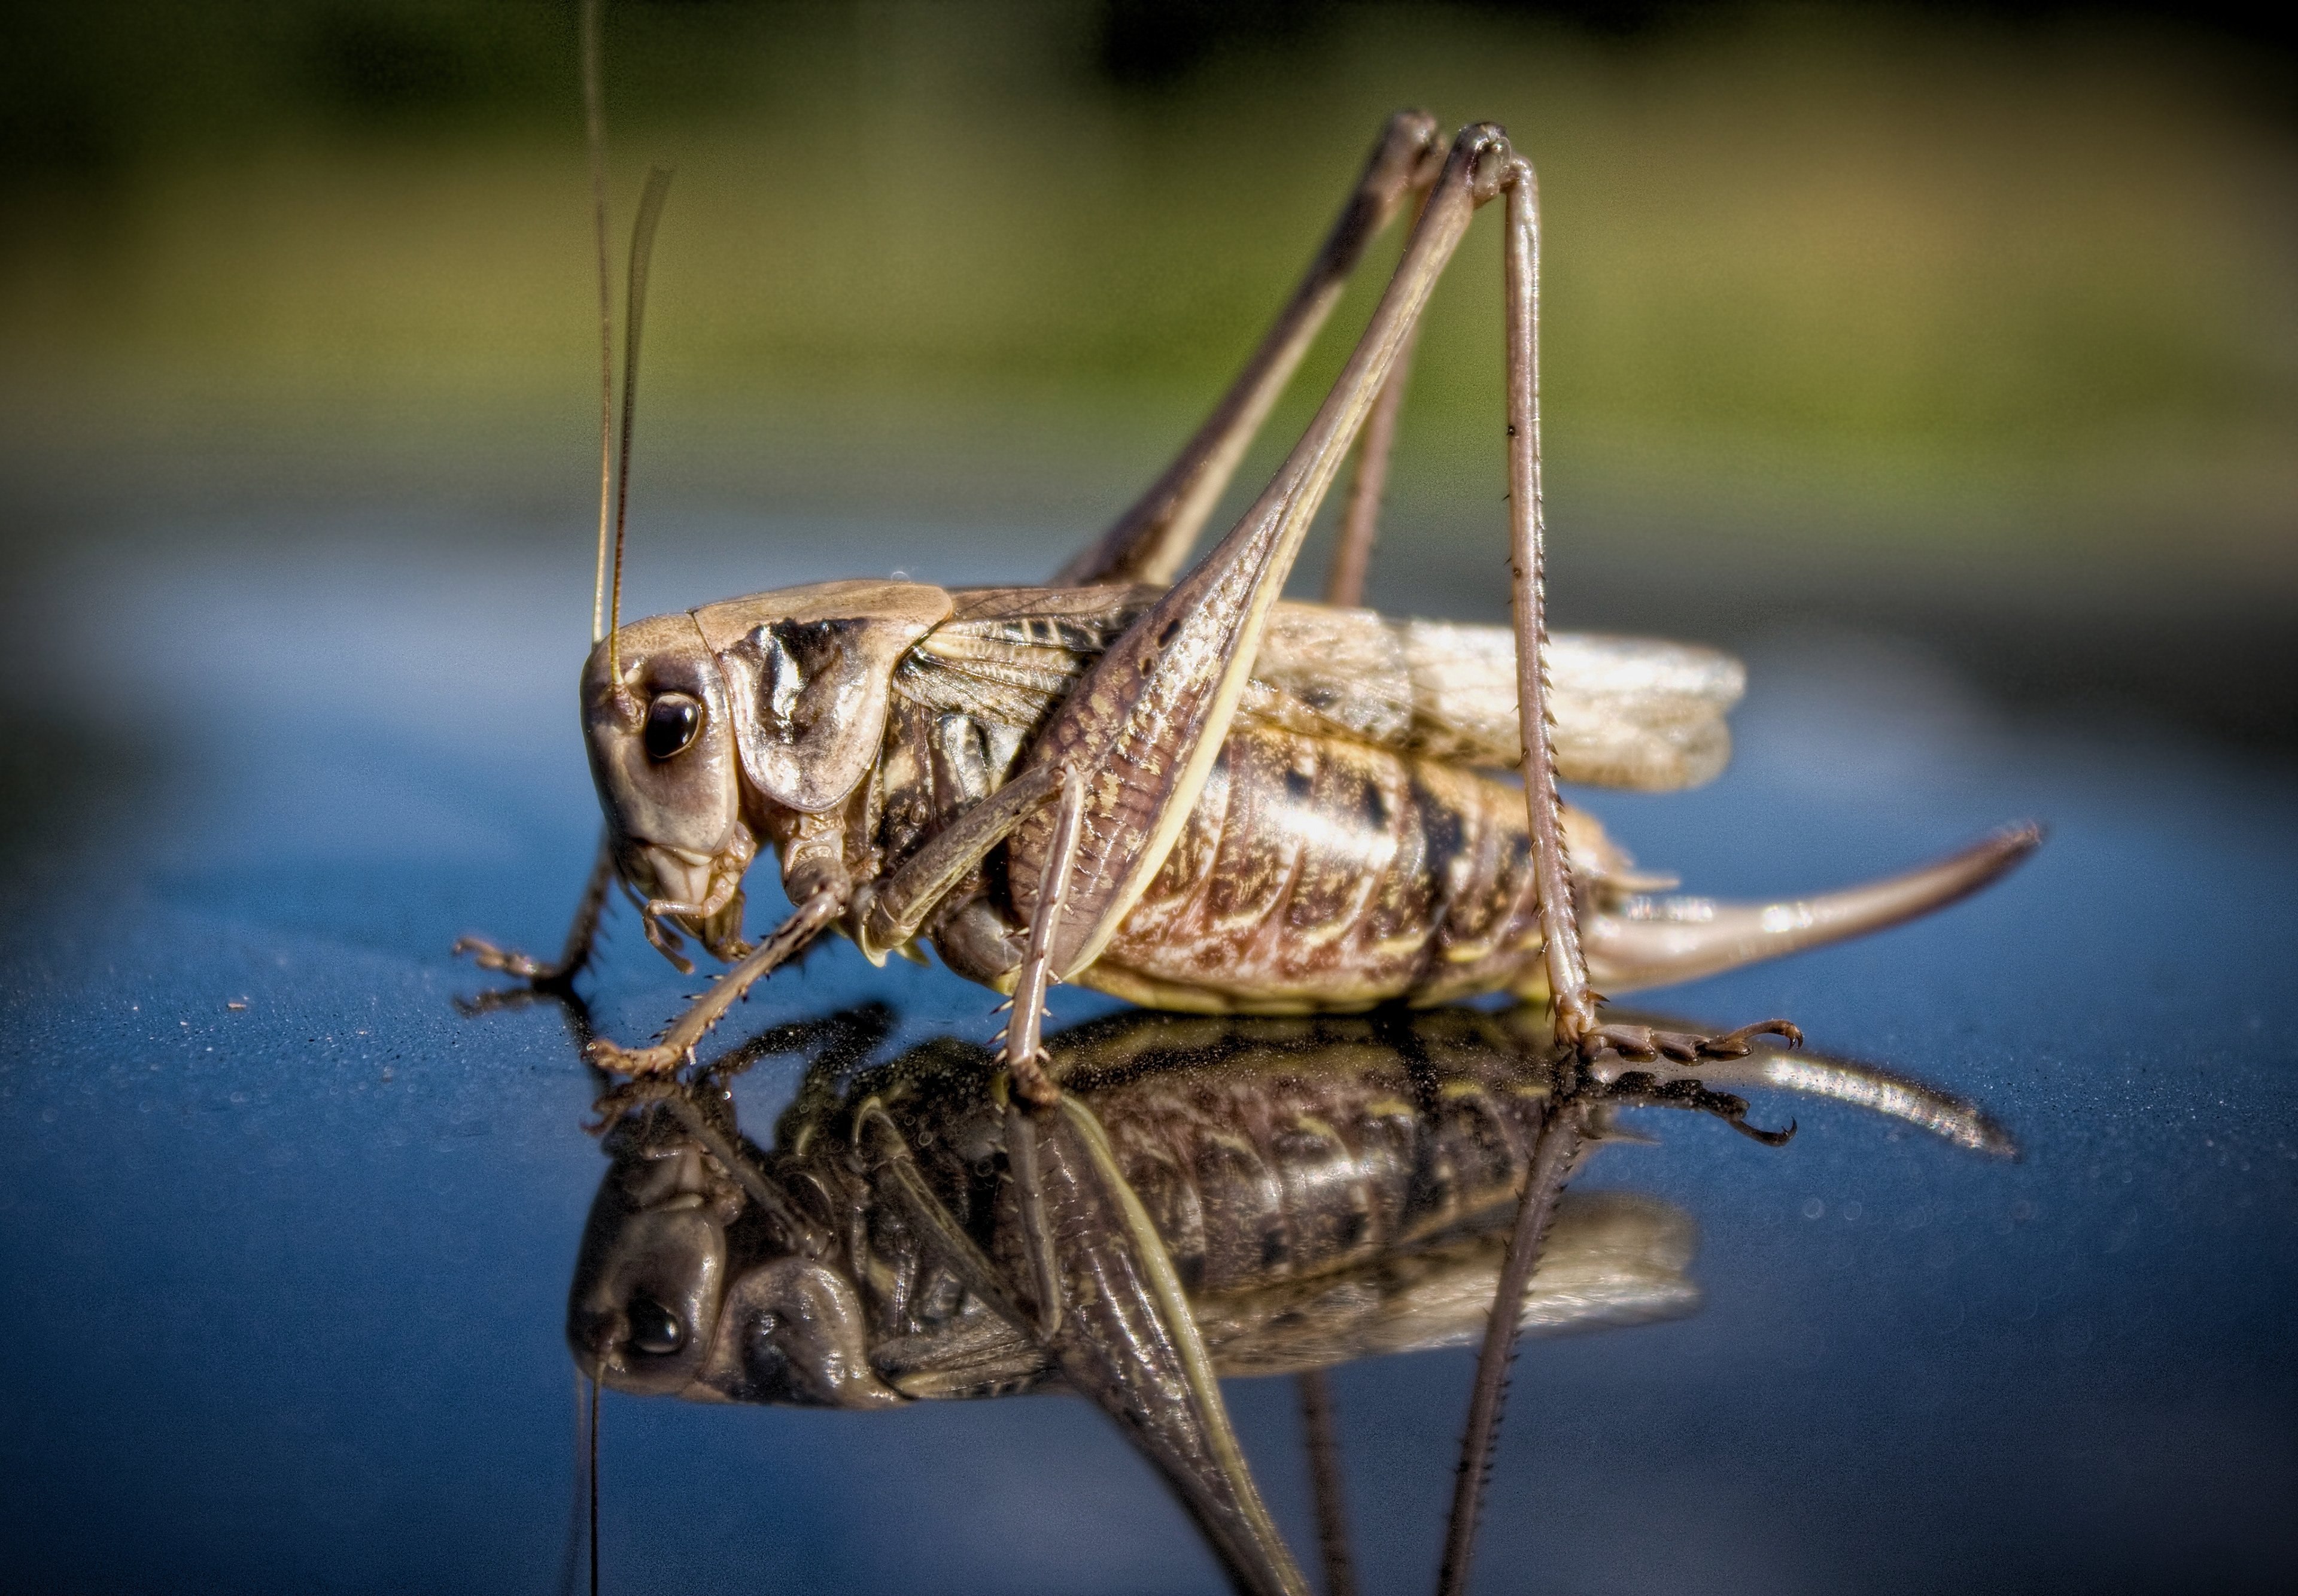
(1283, 1163)
(1316, 872)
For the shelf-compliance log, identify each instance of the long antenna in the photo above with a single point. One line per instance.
(657, 190)
(594, 126)
(613, 465)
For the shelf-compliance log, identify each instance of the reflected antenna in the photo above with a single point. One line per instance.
(592, 1476)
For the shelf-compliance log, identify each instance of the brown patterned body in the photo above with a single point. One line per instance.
(1318, 869)
(1317, 873)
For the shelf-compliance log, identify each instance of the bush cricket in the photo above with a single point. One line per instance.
(1169, 785)
(1192, 796)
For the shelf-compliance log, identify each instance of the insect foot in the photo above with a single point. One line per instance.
(1641, 1089)
(657, 1059)
(486, 955)
(1642, 1042)
(1031, 1082)
(582, 937)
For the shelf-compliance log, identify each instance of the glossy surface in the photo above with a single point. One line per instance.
(298, 1233)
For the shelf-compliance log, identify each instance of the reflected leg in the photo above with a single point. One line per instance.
(1321, 1430)
(1560, 1136)
(1126, 1340)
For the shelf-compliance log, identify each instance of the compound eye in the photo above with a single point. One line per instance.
(654, 1329)
(672, 721)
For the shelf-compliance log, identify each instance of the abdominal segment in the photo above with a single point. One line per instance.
(1320, 873)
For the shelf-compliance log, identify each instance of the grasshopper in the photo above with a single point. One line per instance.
(1326, 1190)
(1170, 786)
(1180, 789)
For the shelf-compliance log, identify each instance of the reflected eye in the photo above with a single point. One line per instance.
(770, 1365)
(672, 722)
(654, 1329)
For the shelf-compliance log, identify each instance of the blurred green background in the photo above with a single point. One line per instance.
(1978, 321)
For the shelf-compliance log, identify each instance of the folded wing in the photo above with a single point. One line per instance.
(1631, 712)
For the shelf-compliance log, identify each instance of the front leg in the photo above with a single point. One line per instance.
(1024, 1052)
(820, 911)
(582, 935)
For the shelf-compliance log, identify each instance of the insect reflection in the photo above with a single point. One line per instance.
(1327, 1189)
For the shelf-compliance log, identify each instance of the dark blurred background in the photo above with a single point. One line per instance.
(1941, 360)
(1974, 323)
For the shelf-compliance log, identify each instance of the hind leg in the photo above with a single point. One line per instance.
(1577, 1029)
(1151, 540)
(1574, 1001)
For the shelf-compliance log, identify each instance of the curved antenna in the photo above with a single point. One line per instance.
(657, 190)
(613, 465)
(594, 129)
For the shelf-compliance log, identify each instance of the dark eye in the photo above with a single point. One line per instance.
(671, 722)
(654, 1329)
(770, 1365)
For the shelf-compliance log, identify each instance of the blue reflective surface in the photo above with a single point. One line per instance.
(288, 1236)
